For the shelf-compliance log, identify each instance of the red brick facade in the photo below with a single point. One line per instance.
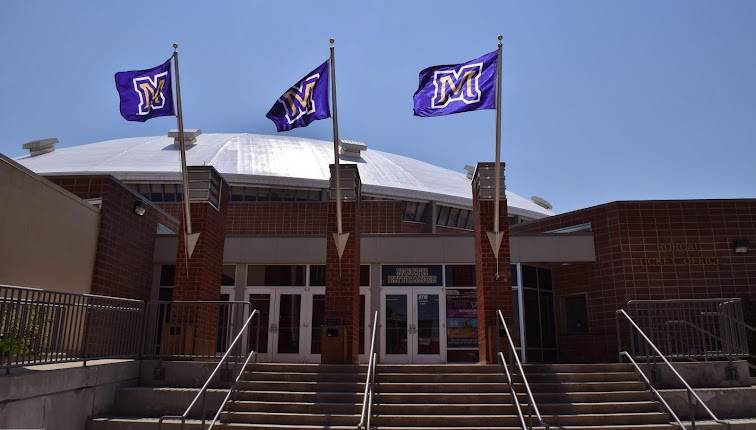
(123, 262)
(343, 282)
(198, 277)
(494, 289)
(651, 250)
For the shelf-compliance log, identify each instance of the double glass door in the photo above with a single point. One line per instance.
(290, 323)
(414, 325)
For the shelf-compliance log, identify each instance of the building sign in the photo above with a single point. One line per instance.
(679, 254)
(412, 275)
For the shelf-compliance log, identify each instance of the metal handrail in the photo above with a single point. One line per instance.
(231, 390)
(367, 397)
(532, 403)
(653, 390)
(512, 391)
(203, 391)
(691, 391)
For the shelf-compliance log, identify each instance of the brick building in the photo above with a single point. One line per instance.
(418, 252)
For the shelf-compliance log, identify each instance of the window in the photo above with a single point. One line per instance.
(413, 211)
(167, 275)
(454, 217)
(275, 275)
(576, 314)
(228, 277)
(318, 277)
(460, 275)
(587, 227)
(255, 194)
(167, 281)
(364, 275)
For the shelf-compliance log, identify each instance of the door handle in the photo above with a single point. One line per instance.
(273, 328)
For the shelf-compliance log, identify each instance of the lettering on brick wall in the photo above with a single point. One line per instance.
(679, 254)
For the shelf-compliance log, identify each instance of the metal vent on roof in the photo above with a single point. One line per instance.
(540, 201)
(39, 147)
(351, 148)
(470, 171)
(190, 135)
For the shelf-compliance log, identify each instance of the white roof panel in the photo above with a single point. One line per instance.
(268, 160)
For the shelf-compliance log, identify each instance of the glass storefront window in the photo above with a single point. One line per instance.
(284, 275)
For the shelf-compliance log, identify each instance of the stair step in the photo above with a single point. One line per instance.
(415, 398)
(152, 424)
(254, 376)
(438, 408)
(513, 420)
(453, 387)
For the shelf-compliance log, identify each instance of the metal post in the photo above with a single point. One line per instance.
(340, 238)
(335, 118)
(182, 151)
(495, 237)
(497, 167)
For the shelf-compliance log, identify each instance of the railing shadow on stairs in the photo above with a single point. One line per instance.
(532, 406)
(202, 394)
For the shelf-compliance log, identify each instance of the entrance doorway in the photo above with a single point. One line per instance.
(414, 322)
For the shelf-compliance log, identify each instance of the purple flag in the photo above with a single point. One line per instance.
(303, 103)
(145, 93)
(455, 88)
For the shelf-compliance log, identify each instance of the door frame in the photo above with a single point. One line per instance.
(412, 355)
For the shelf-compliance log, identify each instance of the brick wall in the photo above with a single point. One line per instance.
(199, 277)
(652, 250)
(123, 262)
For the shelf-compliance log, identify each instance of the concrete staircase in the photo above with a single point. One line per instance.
(419, 397)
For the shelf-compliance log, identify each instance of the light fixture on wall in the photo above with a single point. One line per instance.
(740, 246)
(139, 208)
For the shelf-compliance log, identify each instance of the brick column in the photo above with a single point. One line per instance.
(199, 277)
(492, 293)
(340, 339)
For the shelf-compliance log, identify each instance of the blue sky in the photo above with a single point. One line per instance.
(602, 100)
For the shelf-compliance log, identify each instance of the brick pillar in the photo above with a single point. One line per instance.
(492, 293)
(199, 277)
(340, 340)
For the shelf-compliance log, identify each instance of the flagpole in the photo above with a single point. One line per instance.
(189, 237)
(340, 238)
(496, 236)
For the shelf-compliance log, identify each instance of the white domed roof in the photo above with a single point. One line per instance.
(268, 160)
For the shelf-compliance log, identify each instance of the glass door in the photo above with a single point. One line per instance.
(395, 320)
(414, 327)
(428, 328)
(259, 338)
(289, 326)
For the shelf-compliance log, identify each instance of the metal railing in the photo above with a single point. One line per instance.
(367, 397)
(693, 397)
(690, 329)
(202, 393)
(43, 327)
(184, 329)
(651, 388)
(532, 406)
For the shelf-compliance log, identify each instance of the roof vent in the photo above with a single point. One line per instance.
(39, 147)
(352, 148)
(540, 201)
(190, 135)
(470, 171)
